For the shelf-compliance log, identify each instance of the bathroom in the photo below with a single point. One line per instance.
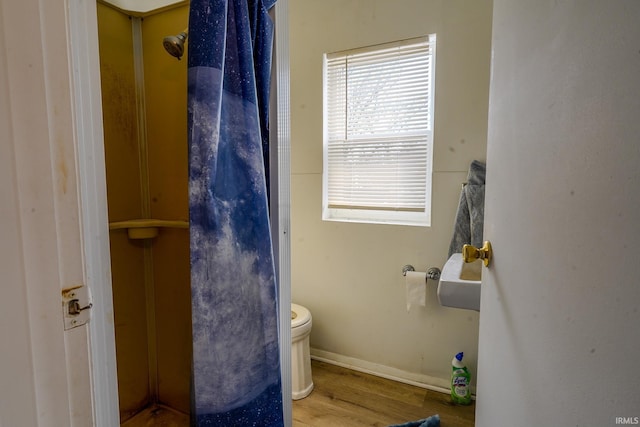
(349, 275)
(561, 215)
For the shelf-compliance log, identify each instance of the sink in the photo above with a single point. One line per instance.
(459, 285)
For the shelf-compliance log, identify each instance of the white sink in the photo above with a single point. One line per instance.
(459, 285)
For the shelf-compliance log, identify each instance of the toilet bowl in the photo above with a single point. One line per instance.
(301, 380)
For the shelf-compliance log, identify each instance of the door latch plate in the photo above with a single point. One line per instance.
(76, 305)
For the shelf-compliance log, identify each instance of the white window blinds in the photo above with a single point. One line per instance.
(378, 133)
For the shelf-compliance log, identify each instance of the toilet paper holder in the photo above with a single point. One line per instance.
(433, 273)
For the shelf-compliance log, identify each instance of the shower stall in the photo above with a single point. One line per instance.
(145, 133)
(144, 102)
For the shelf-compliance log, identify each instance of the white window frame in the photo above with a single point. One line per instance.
(333, 211)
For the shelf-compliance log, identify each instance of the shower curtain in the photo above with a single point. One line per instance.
(236, 365)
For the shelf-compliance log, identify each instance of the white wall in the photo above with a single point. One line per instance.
(45, 371)
(349, 275)
(559, 338)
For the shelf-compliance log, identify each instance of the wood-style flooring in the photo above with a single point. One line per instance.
(346, 398)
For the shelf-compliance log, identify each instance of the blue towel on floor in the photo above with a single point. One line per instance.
(433, 421)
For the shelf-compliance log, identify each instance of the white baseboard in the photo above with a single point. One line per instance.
(418, 380)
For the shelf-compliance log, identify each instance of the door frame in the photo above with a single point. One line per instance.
(87, 99)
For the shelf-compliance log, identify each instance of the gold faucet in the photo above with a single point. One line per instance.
(471, 253)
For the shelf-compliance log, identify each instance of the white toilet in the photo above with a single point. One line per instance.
(301, 380)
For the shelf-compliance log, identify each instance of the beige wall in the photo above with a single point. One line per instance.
(168, 327)
(349, 275)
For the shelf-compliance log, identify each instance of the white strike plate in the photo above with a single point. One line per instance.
(76, 305)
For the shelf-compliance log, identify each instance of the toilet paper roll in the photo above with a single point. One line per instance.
(416, 288)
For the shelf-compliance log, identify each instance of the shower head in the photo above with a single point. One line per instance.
(175, 44)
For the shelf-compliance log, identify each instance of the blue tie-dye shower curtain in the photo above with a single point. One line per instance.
(236, 364)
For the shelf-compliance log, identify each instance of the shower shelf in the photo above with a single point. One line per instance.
(146, 228)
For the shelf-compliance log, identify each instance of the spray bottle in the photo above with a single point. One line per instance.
(460, 381)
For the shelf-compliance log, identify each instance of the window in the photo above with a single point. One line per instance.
(378, 133)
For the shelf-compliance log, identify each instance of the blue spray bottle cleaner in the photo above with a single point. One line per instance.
(460, 381)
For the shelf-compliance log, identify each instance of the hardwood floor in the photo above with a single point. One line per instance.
(346, 398)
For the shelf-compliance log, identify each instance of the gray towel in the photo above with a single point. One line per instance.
(470, 215)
